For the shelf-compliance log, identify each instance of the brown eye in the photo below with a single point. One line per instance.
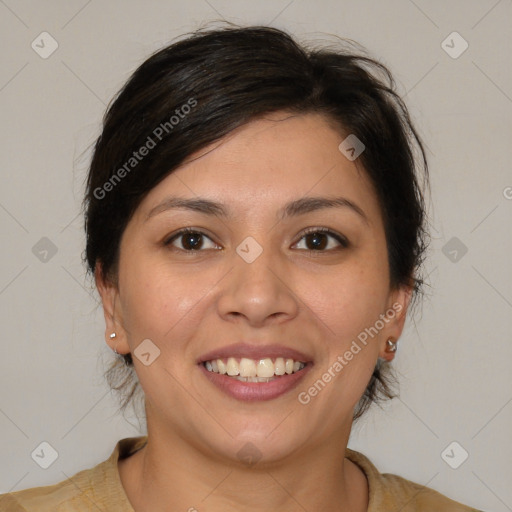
(321, 240)
(189, 240)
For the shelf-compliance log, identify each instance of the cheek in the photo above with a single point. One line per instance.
(158, 299)
(347, 300)
(352, 305)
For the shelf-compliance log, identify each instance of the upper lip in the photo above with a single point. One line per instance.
(252, 351)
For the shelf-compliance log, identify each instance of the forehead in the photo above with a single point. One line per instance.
(267, 162)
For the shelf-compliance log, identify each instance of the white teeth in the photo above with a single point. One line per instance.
(250, 370)
(265, 368)
(221, 366)
(279, 366)
(255, 379)
(247, 368)
(232, 367)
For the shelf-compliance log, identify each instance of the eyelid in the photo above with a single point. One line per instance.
(183, 231)
(342, 240)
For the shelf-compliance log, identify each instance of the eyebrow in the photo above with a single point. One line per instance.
(291, 209)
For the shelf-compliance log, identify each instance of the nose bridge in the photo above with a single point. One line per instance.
(253, 263)
(256, 286)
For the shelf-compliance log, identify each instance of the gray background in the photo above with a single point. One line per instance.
(454, 360)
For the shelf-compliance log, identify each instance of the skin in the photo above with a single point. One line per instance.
(315, 301)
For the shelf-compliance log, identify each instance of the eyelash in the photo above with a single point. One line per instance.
(339, 238)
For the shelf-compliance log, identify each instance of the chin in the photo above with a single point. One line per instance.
(260, 442)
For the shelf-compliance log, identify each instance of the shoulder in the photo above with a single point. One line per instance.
(391, 492)
(66, 495)
(97, 488)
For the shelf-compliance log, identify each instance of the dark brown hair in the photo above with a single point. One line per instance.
(197, 90)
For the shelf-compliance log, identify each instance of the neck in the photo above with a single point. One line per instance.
(169, 473)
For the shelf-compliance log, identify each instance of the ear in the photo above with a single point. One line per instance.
(112, 312)
(395, 314)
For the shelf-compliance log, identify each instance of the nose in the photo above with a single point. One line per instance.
(258, 293)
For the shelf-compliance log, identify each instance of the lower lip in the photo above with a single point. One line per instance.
(255, 391)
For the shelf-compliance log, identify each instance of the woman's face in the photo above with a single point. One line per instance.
(251, 283)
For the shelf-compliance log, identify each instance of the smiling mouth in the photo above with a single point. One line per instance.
(254, 370)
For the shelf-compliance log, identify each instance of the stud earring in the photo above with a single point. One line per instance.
(112, 336)
(392, 346)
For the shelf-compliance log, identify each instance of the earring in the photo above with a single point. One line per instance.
(112, 336)
(392, 346)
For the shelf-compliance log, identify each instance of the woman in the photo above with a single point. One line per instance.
(255, 225)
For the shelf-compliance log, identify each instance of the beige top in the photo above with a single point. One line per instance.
(100, 488)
